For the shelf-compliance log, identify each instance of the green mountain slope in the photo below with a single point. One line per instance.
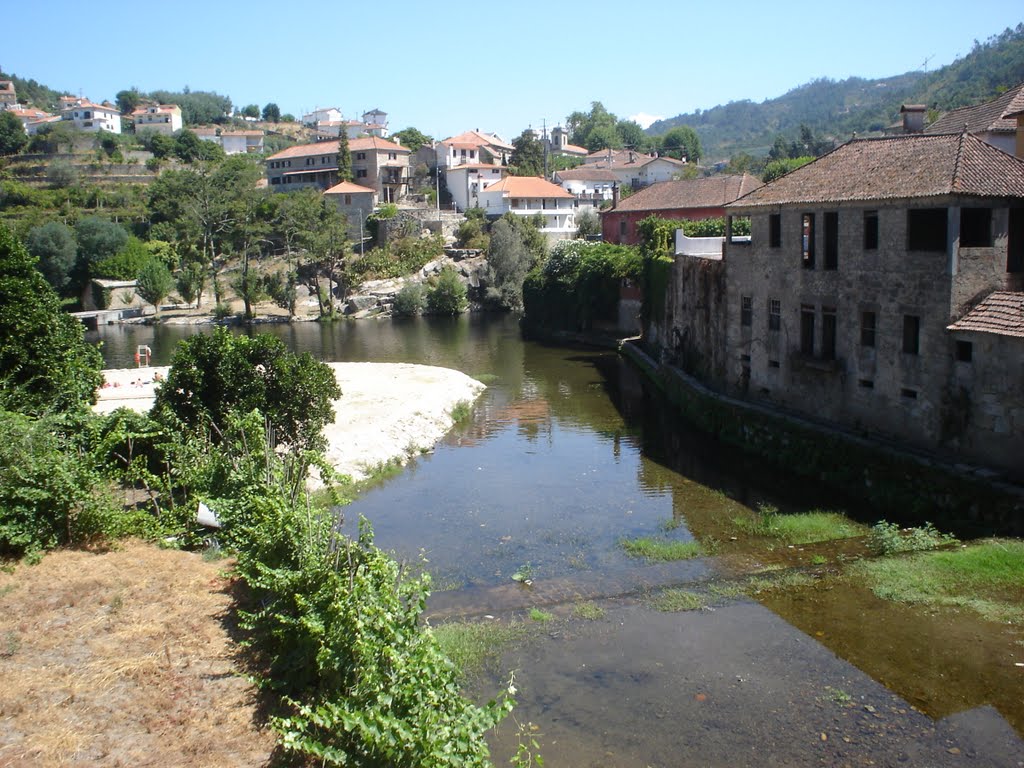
(838, 109)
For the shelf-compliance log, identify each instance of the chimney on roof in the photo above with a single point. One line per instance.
(913, 117)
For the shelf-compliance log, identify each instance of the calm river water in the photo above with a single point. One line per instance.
(567, 454)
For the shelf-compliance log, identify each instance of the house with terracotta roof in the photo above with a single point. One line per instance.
(880, 292)
(377, 163)
(635, 169)
(472, 148)
(90, 117)
(591, 187)
(993, 121)
(355, 201)
(161, 118)
(693, 199)
(532, 196)
(558, 144)
(29, 116)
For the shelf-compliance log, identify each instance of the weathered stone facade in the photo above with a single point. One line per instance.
(840, 309)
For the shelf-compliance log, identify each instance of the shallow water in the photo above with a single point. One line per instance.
(566, 454)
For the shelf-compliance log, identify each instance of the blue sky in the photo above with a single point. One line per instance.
(448, 67)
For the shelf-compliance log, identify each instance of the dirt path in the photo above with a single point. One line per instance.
(122, 658)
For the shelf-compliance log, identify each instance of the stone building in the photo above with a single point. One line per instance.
(866, 294)
(376, 163)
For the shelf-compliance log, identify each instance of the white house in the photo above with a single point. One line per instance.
(531, 195)
(473, 147)
(162, 118)
(233, 142)
(29, 116)
(326, 115)
(635, 169)
(590, 187)
(87, 116)
(465, 182)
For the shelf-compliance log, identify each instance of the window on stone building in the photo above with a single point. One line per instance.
(911, 334)
(831, 239)
(360, 155)
(866, 383)
(807, 242)
(775, 230)
(910, 394)
(774, 314)
(361, 173)
(746, 310)
(926, 229)
(807, 329)
(964, 351)
(1015, 241)
(622, 228)
(975, 227)
(868, 322)
(828, 333)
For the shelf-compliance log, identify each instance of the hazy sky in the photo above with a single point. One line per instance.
(498, 66)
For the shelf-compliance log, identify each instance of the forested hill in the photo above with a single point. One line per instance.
(837, 109)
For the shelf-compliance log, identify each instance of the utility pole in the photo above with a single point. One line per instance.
(544, 123)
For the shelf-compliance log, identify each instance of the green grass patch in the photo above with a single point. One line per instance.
(986, 577)
(676, 600)
(890, 539)
(474, 645)
(672, 523)
(588, 610)
(541, 617)
(804, 528)
(461, 411)
(486, 378)
(661, 550)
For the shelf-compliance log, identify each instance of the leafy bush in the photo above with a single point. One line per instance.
(409, 301)
(447, 295)
(214, 374)
(402, 257)
(47, 364)
(888, 538)
(50, 494)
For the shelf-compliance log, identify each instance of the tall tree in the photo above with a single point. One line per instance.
(54, 245)
(528, 155)
(128, 100)
(344, 157)
(46, 363)
(12, 135)
(272, 113)
(412, 138)
(683, 143)
(154, 283)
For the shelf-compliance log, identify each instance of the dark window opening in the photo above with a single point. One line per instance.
(1015, 241)
(807, 240)
(622, 228)
(774, 314)
(807, 330)
(773, 364)
(744, 358)
(746, 310)
(975, 227)
(831, 240)
(775, 230)
(828, 333)
(868, 321)
(866, 384)
(926, 229)
(911, 334)
(910, 394)
(964, 351)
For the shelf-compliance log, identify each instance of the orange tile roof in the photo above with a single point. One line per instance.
(156, 109)
(709, 192)
(368, 143)
(895, 168)
(477, 139)
(348, 188)
(375, 143)
(1001, 312)
(994, 115)
(527, 186)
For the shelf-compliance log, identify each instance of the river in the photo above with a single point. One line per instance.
(567, 454)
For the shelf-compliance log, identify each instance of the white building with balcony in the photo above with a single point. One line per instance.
(162, 118)
(90, 117)
(466, 182)
(530, 196)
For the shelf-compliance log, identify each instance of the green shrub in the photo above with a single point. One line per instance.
(888, 538)
(409, 301)
(447, 295)
(214, 374)
(50, 494)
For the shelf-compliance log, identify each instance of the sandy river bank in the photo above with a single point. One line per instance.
(387, 411)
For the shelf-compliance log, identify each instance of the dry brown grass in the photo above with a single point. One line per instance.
(122, 658)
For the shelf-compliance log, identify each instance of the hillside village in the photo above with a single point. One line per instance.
(883, 282)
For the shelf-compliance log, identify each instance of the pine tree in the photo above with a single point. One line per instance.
(344, 157)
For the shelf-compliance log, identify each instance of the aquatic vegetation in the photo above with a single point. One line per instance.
(461, 411)
(804, 528)
(661, 550)
(588, 610)
(984, 577)
(472, 646)
(677, 600)
(541, 617)
(486, 378)
(889, 539)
